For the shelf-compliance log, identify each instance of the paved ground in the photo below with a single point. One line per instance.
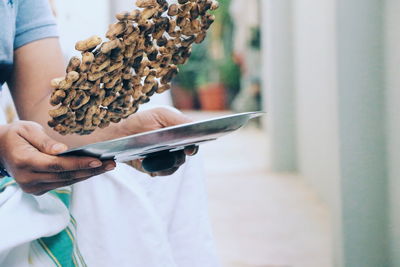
(262, 219)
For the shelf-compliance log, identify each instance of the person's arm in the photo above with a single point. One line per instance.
(36, 64)
(28, 150)
(29, 155)
(37, 60)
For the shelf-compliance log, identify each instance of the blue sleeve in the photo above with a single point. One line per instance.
(34, 21)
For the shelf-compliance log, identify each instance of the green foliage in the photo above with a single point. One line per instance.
(230, 75)
(202, 69)
(195, 72)
(255, 41)
(222, 13)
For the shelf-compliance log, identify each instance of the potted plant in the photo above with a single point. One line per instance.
(191, 76)
(215, 94)
(211, 74)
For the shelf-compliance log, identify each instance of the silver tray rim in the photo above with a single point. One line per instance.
(250, 115)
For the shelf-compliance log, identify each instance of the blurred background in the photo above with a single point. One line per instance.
(316, 181)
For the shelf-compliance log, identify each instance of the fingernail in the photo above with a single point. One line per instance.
(110, 167)
(59, 147)
(193, 151)
(95, 164)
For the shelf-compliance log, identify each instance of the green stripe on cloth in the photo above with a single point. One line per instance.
(63, 195)
(73, 221)
(6, 181)
(60, 247)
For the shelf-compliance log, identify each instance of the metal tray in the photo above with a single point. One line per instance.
(166, 139)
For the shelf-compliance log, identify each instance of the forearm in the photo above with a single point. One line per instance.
(36, 64)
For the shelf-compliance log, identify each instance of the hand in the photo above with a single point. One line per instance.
(29, 155)
(162, 163)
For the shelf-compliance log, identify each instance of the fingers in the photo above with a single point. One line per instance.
(62, 177)
(159, 161)
(191, 150)
(51, 164)
(45, 182)
(35, 135)
(180, 158)
(29, 156)
(41, 189)
(164, 163)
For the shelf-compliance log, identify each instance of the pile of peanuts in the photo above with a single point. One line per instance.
(140, 58)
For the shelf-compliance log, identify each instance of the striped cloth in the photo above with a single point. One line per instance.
(61, 249)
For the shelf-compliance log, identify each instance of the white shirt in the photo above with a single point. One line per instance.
(124, 218)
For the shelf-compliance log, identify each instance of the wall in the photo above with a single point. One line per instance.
(393, 122)
(317, 133)
(299, 53)
(79, 20)
(362, 127)
(316, 96)
(341, 121)
(341, 138)
(278, 83)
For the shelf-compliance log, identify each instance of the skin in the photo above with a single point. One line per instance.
(28, 148)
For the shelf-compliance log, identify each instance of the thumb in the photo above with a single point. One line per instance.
(171, 117)
(35, 135)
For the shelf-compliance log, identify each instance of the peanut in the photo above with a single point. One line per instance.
(140, 58)
(88, 44)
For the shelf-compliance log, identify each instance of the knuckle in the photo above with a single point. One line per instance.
(65, 175)
(44, 145)
(81, 164)
(16, 126)
(25, 128)
(54, 167)
(21, 161)
(30, 126)
(77, 164)
(27, 180)
(23, 181)
(94, 172)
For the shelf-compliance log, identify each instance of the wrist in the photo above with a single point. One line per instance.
(3, 171)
